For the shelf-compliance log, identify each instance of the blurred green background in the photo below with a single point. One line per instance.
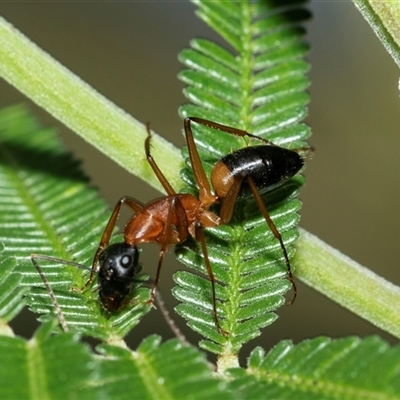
(128, 51)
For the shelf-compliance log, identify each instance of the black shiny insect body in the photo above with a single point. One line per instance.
(268, 166)
(118, 267)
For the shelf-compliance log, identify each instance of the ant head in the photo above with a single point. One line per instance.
(118, 268)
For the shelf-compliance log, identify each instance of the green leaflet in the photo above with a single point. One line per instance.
(54, 367)
(11, 294)
(59, 367)
(260, 86)
(159, 371)
(46, 207)
(323, 368)
(45, 367)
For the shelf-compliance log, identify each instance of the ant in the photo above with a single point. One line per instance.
(171, 219)
(174, 218)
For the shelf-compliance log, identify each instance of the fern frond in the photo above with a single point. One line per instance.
(60, 367)
(47, 208)
(322, 368)
(259, 87)
(46, 367)
(159, 371)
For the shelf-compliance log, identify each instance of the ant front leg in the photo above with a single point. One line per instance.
(135, 206)
(160, 176)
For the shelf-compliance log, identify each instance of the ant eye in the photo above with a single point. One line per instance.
(126, 261)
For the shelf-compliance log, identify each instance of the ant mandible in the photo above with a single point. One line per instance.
(171, 219)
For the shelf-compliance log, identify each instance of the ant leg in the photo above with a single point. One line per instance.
(201, 238)
(206, 196)
(275, 232)
(105, 238)
(228, 129)
(170, 321)
(160, 176)
(50, 291)
(154, 289)
(228, 202)
(176, 210)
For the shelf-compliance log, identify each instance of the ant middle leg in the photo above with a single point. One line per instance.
(206, 196)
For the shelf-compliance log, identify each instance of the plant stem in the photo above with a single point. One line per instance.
(348, 283)
(384, 17)
(73, 102)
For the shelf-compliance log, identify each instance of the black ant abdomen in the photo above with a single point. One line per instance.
(268, 166)
(118, 264)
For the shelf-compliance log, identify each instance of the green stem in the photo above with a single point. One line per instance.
(348, 283)
(384, 18)
(73, 102)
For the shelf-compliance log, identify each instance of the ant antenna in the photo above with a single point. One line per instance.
(170, 321)
(53, 298)
(63, 322)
